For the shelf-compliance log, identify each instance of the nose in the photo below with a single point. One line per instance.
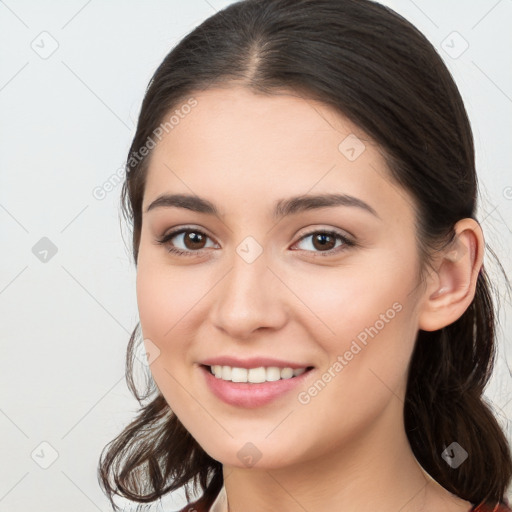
(250, 297)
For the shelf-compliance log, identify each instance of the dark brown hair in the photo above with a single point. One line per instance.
(371, 65)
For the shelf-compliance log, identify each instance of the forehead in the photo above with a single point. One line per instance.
(255, 145)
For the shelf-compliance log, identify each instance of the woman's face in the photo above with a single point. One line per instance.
(255, 284)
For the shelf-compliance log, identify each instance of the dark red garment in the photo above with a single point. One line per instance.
(198, 506)
(498, 508)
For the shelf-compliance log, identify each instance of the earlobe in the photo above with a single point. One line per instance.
(452, 287)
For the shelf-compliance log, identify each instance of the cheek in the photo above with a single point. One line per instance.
(366, 323)
(170, 311)
(164, 297)
(162, 311)
(343, 302)
(367, 363)
(152, 297)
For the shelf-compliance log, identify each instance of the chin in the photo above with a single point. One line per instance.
(247, 454)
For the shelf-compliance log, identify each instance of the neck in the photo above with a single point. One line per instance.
(374, 470)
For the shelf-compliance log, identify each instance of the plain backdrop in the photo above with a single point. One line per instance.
(72, 78)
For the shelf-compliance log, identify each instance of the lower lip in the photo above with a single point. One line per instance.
(244, 394)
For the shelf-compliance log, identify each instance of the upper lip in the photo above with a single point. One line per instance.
(252, 362)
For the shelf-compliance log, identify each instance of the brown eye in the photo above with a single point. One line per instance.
(193, 240)
(323, 243)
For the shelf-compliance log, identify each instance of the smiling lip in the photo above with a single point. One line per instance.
(249, 395)
(253, 362)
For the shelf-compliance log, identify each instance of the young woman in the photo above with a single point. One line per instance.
(310, 282)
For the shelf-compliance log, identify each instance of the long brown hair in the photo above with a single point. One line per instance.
(374, 67)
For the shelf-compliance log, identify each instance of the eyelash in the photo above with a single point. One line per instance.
(180, 252)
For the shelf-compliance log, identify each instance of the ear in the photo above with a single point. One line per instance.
(451, 287)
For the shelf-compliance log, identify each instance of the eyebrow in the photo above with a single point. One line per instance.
(282, 208)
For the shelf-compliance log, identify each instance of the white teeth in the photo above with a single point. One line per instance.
(255, 375)
(239, 374)
(273, 373)
(286, 373)
(225, 372)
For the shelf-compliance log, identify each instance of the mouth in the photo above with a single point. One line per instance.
(262, 374)
(247, 388)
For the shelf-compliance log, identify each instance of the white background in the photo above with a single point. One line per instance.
(66, 123)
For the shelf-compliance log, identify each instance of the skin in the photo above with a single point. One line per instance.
(346, 449)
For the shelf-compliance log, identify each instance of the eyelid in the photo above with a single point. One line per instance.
(172, 233)
(185, 227)
(310, 231)
(348, 241)
(326, 229)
